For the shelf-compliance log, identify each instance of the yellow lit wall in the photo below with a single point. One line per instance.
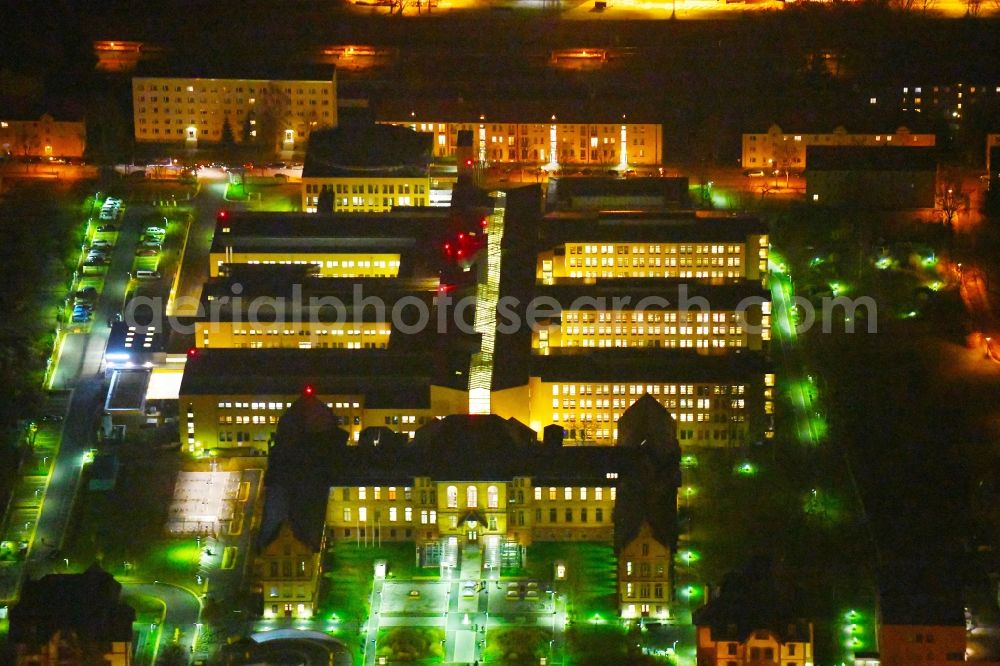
(432, 509)
(779, 150)
(367, 195)
(287, 572)
(644, 576)
(45, 137)
(164, 109)
(755, 649)
(709, 262)
(302, 335)
(331, 264)
(714, 331)
(531, 143)
(250, 420)
(707, 414)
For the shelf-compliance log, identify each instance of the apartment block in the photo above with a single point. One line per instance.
(777, 149)
(193, 110)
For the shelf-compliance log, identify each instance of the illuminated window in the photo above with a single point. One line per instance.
(492, 497)
(362, 514)
(471, 497)
(362, 493)
(452, 497)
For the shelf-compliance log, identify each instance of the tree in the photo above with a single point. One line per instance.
(972, 7)
(951, 201)
(227, 139)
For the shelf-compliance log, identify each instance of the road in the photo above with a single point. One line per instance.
(183, 611)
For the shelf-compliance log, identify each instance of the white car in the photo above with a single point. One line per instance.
(468, 589)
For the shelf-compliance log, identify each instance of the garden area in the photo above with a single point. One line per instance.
(591, 576)
(411, 645)
(349, 570)
(516, 645)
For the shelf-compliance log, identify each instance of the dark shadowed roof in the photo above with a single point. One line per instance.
(297, 481)
(870, 158)
(634, 226)
(649, 494)
(753, 599)
(386, 378)
(367, 149)
(87, 604)
(921, 593)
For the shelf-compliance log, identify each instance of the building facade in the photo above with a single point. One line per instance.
(45, 137)
(193, 110)
(777, 149)
(48, 629)
(553, 144)
(714, 401)
(754, 618)
(287, 571)
(366, 194)
(366, 169)
(616, 314)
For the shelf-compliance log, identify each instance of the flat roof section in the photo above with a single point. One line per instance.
(128, 391)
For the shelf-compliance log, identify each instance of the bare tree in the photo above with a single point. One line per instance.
(951, 201)
(972, 7)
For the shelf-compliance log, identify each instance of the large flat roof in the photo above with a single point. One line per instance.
(646, 365)
(721, 296)
(385, 377)
(646, 226)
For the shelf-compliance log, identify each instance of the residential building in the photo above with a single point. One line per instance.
(272, 307)
(345, 246)
(292, 537)
(993, 157)
(921, 619)
(754, 619)
(716, 401)
(544, 141)
(233, 397)
(886, 178)
(45, 137)
(72, 618)
(280, 113)
(366, 168)
(652, 245)
(480, 482)
(667, 314)
(948, 101)
(777, 149)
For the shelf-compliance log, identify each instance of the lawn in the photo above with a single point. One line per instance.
(599, 645)
(411, 645)
(349, 572)
(516, 645)
(137, 507)
(591, 576)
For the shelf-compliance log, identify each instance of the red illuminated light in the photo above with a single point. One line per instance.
(308, 390)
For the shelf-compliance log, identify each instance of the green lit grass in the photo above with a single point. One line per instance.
(516, 645)
(349, 572)
(411, 645)
(591, 576)
(236, 192)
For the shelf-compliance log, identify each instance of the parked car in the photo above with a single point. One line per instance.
(107, 227)
(146, 252)
(82, 317)
(155, 230)
(102, 244)
(89, 293)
